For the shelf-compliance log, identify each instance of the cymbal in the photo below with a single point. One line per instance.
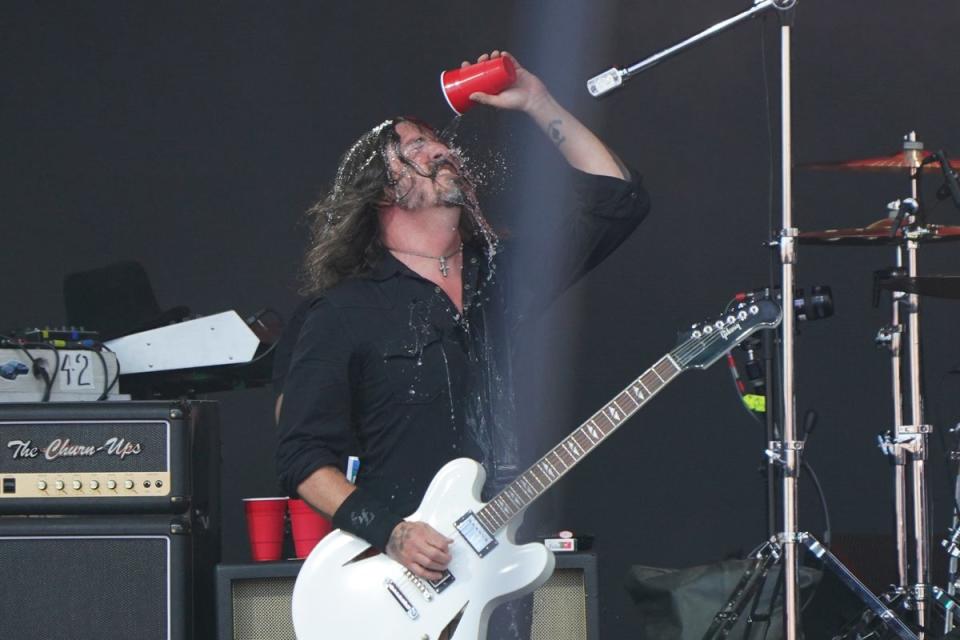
(877, 233)
(895, 162)
(935, 286)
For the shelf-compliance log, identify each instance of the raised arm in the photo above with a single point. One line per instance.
(578, 145)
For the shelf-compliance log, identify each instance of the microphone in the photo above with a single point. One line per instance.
(951, 185)
(902, 208)
(605, 82)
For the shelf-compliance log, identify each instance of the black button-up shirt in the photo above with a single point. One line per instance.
(387, 369)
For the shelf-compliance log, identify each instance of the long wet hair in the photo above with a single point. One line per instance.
(344, 225)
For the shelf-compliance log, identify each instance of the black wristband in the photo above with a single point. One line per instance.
(364, 515)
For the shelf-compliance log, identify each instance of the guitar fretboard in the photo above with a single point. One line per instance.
(530, 484)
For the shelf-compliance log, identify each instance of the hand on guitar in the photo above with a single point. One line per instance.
(420, 548)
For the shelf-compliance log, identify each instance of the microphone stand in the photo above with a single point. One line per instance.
(612, 78)
(785, 452)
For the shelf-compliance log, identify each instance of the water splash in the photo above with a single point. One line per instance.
(359, 156)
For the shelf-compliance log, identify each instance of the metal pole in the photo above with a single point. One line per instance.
(921, 522)
(791, 446)
(898, 453)
(918, 460)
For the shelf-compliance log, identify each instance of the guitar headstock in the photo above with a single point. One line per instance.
(704, 343)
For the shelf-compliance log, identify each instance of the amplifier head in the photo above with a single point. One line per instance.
(116, 457)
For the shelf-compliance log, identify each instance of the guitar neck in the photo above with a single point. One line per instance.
(530, 484)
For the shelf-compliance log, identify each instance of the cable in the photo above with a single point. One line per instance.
(116, 376)
(828, 528)
(36, 368)
(106, 376)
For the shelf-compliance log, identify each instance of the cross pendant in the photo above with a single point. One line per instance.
(443, 266)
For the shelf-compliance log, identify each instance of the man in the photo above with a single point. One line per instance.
(403, 358)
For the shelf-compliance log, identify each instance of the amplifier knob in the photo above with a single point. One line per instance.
(94, 484)
(42, 485)
(76, 484)
(58, 485)
(111, 484)
(128, 484)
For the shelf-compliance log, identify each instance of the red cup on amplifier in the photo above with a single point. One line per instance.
(265, 527)
(490, 76)
(308, 526)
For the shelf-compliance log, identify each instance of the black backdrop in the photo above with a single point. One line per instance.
(190, 137)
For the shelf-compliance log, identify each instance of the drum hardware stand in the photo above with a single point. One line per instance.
(912, 440)
(920, 589)
(907, 444)
(895, 443)
(789, 445)
(771, 555)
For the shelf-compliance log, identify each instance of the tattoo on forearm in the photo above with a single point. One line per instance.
(398, 538)
(553, 129)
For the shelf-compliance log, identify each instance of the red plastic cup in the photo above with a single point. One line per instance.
(265, 527)
(309, 527)
(491, 76)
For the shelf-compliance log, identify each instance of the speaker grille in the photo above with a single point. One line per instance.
(560, 607)
(84, 588)
(261, 609)
(253, 601)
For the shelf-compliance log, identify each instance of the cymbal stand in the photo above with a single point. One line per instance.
(918, 456)
(908, 443)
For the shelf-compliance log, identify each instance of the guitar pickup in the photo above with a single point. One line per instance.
(445, 581)
(476, 535)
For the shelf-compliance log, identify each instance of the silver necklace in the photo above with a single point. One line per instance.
(444, 267)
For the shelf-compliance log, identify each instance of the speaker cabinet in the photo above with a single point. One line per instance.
(253, 601)
(104, 578)
(566, 606)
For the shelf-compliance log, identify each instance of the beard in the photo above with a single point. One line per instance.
(447, 187)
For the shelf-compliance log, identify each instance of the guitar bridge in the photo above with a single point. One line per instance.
(401, 599)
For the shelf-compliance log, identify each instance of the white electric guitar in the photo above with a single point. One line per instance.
(344, 591)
